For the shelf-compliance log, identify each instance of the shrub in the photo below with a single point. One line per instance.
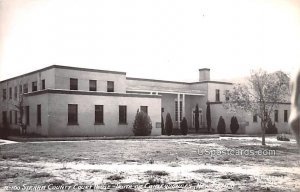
(184, 126)
(162, 125)
(142, 124)
(234, 125)
(169, 125)
(271, 128)
(282, 137)
(208, 117)
(221, 126)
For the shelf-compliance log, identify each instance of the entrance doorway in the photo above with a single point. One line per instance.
(200, 118)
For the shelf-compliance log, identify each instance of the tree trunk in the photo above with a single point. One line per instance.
(263, 140)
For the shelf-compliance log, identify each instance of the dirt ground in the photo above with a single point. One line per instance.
(223, 164)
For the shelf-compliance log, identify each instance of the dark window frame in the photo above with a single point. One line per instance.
(73, 84)
(110, 86)
(10, 117)
(4, 94)
(39, 114)
(276, 112)
(34, 86)
(144, 109)
(43, 84)
(122, 114)
(285, 116)
(254, 118)
(217, 95)
(10, 93)
(16, 117)
(99, 114)
(16, 92)
(93, 85)
(72, 114)
(25, 88)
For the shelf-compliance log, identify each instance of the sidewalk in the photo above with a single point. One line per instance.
(3, 142)
(32, 139)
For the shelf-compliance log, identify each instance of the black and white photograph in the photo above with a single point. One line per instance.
(150, 95)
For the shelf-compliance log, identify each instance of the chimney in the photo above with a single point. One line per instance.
(204, 74)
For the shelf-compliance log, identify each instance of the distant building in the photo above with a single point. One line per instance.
(71, 101)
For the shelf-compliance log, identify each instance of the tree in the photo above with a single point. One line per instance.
(169, 125)
(142, 124)
(162, 125)
(221, 126)
(208, 116)
(234, 125)
(260, 95)
(184, 126)
(197, 118)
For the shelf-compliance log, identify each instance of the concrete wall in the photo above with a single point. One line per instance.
(62, 80)
(282, 127)
(211, 94)
(58, 114)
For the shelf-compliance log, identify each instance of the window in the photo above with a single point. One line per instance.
(43, 84)
(276, 115)
(73, 84)
(176, 110)
(98, 114)
(25, 88)
(162, 109)
(27, 115)
(122, 114)
(39, 115)
(144, 109)
(34, 86)
(16, 92)
(10, 93)
(227, 95)
(93, 85)
(10, 117)
(4, 94)
(285, 115)
(217, 95)
(72, 114)
(20, 89)
(110, 86)
(255, 118)
(16, 117)
(4, 117)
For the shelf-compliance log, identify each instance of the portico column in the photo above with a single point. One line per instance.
(178, 109)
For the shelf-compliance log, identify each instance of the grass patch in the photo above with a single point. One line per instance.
(236, 177)
(115, 177)
(174, 164)
(157, 173)
(204, 171)
(8, 175)
(126, 190)
(156, 181)
(56, 182)
(41, 174)
(277, 174)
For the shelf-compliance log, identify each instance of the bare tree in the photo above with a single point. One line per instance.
(260, 96)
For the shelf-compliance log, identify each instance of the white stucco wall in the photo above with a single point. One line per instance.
(58, 114)
(62, 80)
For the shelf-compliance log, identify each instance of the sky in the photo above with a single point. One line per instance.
(156, 39)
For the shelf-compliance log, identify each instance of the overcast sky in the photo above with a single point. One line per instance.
(159, 39)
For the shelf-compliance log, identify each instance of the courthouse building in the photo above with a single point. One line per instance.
(71, 101)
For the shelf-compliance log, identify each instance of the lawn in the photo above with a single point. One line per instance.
(160, 164)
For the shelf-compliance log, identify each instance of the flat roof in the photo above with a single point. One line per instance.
(177, 82)
(64, 67)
